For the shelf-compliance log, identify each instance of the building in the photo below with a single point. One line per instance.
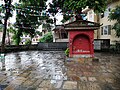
(81, 37)
(36, 39)
(60, 34)
(25, 38)
(105, 31)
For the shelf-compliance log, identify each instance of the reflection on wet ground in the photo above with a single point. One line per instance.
(50, 70)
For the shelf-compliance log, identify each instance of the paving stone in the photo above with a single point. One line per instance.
(87, 73)
(43, 89)
(2, 77)
(89, 86)
(101, 79)
(70, 85)
(18, 81)
(106, 87)
(20, 88)
(36, 68)
(27, 83)
(31, 88)
(117, 75)
(93, 86)
(46, 84)
(10, 87)
(82, 86)
(2, 87)
(37, 83)
(74, 78)
(104, 71)
(92, 79)
(107, 75)
(24, 74)
(109, 71)
(109, 80)
(83, 79)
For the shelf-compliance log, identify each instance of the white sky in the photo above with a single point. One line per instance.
(59, 17)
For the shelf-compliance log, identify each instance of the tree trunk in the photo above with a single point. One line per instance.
(7, 7)
(8, 36)
(4, 33)
(54, 21)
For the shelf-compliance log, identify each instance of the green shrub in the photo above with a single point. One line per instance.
(28, 42)
(67, 52)
(47, 38)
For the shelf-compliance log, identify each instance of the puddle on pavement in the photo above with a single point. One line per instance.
(48, 65)
(47, 68)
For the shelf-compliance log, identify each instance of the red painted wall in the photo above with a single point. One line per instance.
(81, 42)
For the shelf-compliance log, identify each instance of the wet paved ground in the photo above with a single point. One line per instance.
(36, 70)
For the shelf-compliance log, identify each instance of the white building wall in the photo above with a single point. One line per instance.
(106, 22)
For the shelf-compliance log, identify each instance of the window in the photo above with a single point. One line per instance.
(91, 15)
(36, 39)
(33, 39)
(106, 30)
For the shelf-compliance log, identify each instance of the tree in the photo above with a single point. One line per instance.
(53, 10)
(1, 24)
(0, 15)
(74, 7)
(39, 33)
(115, 15)
(30, 14)
(47, 38)
(7, 8)
(14, 36)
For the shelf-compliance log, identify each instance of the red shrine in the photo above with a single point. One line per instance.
(81, 37)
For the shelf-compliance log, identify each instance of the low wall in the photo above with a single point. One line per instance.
(39, 46)
(99, 45)
(52, 46)
(14, 48)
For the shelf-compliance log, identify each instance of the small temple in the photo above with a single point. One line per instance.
(80, 37)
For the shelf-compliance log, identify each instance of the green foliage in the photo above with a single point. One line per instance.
(53, 10)
(30, 15)
(72, 7)
(39, 33)
(15, 36)
(28, 42)
(0, 29)
(34, 2)
(66, 17)
(47, 27)
(115, 15)
(77, 5)
(47, 38)
(67, 52)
